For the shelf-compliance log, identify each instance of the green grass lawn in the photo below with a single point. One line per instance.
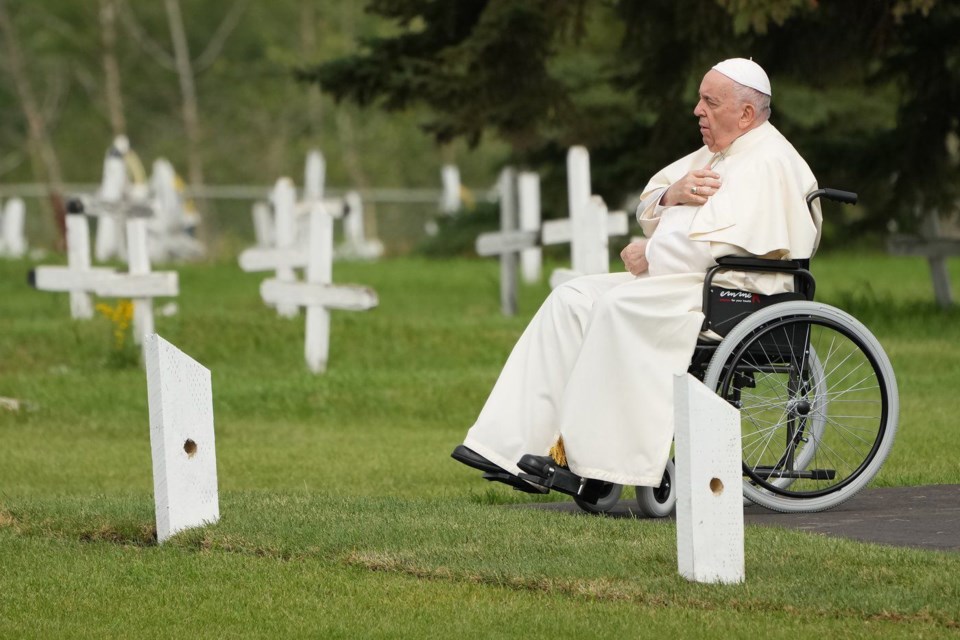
(342, 513)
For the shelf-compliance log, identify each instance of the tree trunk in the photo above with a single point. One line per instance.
(188, 93)
(348, 140)
(308, 42)
(111, 70)
(44, 158)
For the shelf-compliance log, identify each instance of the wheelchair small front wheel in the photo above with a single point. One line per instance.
(659, 502)
(605, 503)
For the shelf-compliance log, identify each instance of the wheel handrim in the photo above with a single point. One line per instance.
(845, 447)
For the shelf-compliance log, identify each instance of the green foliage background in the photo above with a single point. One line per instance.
(869, 91)
(256, 119)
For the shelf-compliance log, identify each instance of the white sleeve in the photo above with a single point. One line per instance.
(649, 211)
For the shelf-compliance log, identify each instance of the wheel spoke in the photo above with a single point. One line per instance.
(787, 375)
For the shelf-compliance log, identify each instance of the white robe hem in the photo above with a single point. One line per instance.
(492, 456)
(618, 478)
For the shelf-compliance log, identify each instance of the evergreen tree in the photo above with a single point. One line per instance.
(867, 91)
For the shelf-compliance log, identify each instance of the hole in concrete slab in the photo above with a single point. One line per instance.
(191, 448)
(716, 485)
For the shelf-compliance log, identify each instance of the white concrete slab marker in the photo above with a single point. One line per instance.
(181, 439)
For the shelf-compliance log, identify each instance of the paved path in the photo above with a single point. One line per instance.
(924, 517)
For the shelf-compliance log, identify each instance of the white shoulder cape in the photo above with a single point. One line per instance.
(768, 180)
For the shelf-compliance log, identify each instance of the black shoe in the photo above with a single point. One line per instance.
(544, 471)
(542, 466)
(473, 459)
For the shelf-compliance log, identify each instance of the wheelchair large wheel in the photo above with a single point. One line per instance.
(818, 404)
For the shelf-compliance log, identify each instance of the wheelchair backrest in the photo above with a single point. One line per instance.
(723, 308)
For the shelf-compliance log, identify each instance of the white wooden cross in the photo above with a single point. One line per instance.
(318, 295)
(180, 399)
(450, 199)
(78, 277)
(280, 240)
(508, 242)
(81, 280)
(314, 181)
(107, 207)
(512, 243)
(13, 243)
(708, 483)
(262, 225)
(589, 226)
(285, 256)
(355, 244)
(169, 235)
(139, 283)
(528, 199)
(933, 246)
(587, 230)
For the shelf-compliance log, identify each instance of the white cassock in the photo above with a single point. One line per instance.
(596, 363)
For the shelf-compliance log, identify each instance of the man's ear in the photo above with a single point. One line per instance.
(747, 116)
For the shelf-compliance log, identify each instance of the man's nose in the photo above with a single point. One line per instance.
(698, 110)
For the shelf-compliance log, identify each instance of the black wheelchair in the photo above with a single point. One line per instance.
(817, 394)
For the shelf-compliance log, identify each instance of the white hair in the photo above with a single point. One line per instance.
(759, 100)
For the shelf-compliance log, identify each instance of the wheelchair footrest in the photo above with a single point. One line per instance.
(807, 474)
(517, 483)
(563, 481)
(543, 471)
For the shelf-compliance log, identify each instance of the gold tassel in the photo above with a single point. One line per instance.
(558, 453)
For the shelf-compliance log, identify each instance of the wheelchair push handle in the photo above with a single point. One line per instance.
(846, 197)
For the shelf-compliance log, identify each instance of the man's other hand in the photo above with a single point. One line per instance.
(634, 257)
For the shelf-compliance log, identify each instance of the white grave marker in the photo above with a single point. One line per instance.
(281, 242)
(590, 223)
(708, 481)
(262, 225)
(284, 198)
(450, 200)
(78, 277)
(318, 294)
(170, 238)
(315, 175)
(531, 260)
(510, 242)
(108, 241)
(578, 199)
(508, 259)
(563, 231)
(513, 244)
(181, 439)
(139, 283)
(163, 182)
(355, 242)
(282, 255)
(13, 244)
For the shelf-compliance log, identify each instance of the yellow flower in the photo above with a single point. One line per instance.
(120, 316)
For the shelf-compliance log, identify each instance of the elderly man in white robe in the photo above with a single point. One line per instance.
(588, 386)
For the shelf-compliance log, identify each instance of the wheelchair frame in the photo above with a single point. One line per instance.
(787, 350)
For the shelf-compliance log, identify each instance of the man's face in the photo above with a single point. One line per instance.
(718, 111)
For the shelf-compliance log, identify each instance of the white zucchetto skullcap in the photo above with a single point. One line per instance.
(746, 72)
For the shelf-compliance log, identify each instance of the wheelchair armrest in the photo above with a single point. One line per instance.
(742, 263)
